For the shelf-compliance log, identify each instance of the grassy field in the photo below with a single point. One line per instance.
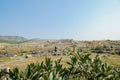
(22, 62)
(111, 59)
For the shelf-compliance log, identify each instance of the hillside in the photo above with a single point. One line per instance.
(12, 39)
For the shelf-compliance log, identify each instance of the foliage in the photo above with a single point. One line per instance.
(80, 67)
(99, 49)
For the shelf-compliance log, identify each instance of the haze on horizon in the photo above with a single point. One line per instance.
(60, 19)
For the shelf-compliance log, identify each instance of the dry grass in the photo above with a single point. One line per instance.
(22, 62)
(111, 59)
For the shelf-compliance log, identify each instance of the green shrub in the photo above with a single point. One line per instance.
(80, 67)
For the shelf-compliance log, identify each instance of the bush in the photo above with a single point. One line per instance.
(80, 67)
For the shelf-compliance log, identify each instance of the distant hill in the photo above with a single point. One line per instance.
(12, 39)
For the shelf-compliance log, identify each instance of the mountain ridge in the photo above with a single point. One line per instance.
(12, 39)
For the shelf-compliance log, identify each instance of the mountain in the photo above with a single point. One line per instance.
(12, 39)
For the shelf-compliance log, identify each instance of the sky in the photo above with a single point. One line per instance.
(61, 19)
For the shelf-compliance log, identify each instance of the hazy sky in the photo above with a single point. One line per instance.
(56, 19)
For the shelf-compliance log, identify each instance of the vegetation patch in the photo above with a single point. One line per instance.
(80, 67)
